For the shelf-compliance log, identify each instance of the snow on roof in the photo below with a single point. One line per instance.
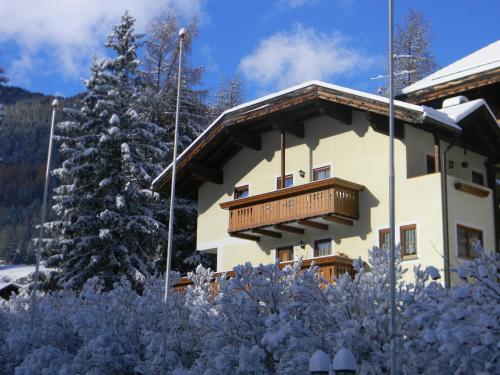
(482, 60)
(425, 111)
(458, 112)
(16, 274)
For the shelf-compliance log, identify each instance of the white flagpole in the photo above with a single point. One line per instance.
(393, 327)
(54, 105)
(182, 33)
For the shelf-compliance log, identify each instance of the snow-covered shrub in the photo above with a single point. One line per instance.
(261, 321)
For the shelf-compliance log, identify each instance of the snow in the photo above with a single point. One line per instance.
(433, 273)
(425, 112)
(482, 60)
(114, 120)
(16, 274)
(460, 111)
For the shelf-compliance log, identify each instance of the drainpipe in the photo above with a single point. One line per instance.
(444, 210)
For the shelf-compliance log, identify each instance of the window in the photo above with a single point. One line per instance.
(467, 238)
(288, 181)
(431, 164)
(321, 173)
(241, 192)
(477, 178)
(284, 254)
(384, 238)
(408, 240)
(322, 247)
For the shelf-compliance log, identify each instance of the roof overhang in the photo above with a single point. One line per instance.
(285, 110)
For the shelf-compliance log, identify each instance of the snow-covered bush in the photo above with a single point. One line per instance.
(261, 321)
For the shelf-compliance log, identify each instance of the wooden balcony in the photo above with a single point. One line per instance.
(313, 205)
(329, 267)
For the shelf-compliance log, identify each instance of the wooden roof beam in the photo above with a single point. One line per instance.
(245, 139)
(338, 220)
(266, 232)
(288, 228)
(312, 224)
(245, 236)
(293, 127)
(206, 173)
(336, 111)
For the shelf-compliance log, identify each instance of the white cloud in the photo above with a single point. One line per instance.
(300, 3)
(70, 32)
(287, 58)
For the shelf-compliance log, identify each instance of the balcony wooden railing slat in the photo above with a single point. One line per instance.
(330, 196)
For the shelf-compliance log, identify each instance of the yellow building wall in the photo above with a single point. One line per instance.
(355, 153)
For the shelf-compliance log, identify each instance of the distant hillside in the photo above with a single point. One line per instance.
(24, 134)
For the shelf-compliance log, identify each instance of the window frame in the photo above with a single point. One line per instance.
(428, 157)
(402, 229)
(287, 176)
(322, 240)
(282, 248)
(381, 234)
(319, 169)
(468, 248)
(241, 188)
(477, 173)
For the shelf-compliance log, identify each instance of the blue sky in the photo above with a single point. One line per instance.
(47, 46)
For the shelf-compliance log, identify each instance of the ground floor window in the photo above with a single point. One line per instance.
(323, 247)
(284, 254)
(384, 238)
(467, 238)
(408, 240)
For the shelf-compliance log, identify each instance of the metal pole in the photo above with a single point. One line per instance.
(182, 33)
(391, 198)
(54, 105)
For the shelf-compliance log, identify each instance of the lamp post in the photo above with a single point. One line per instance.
(54, 105)
(182, 33)
(391, 199)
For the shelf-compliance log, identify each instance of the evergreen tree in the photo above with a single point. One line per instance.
(3, 81)
(108, 220)
(413, 42)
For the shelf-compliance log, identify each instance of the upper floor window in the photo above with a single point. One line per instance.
(288, 181)
(384, 238)
(431, 163)
(408, 240)
(323, 247)
(241, 192)
(477, 178)
(321, 173)
(284, 254)
(467, 238)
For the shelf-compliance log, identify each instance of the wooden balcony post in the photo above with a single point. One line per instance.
(282, 184)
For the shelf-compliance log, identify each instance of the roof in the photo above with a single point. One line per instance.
(460, 111)
(477, 64)
(16, 274)
(300, 96)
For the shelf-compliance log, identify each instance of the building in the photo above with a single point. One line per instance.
(304, 173)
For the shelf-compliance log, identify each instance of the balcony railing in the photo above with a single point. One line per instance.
(330, 200)
(329, 267)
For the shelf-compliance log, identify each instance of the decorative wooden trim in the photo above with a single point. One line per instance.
(471, 189)
(283, 193)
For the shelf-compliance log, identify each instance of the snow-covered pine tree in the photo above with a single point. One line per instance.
(160, 94)
(107, 217)
(413, 41)
(3, 80)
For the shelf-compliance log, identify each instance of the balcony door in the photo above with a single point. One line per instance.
(284, 254)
